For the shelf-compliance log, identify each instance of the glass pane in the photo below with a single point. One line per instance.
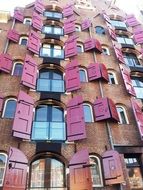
(57, 86)
(58, 30)
(57, 114)
(121, 40)
(44, 74)
(79, 49)
(41, 113)
(2, 167)
(99, 30)
(111, 78)
(139, 92)
(57, 131)
(47, 29)
(18, 69)
(57, 15)
(57, 75)
(24, 42)
(122, 117)
(44, 85)
(10, 109)
(57, 53)
(87, 113)
(40, 131)
(48, 14)
(45, 52)
(82, 76)
(129, 41)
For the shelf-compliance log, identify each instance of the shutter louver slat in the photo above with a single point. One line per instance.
(119, 54)
(6, 62)
(69, 27)
(34, 42)
(85, 24)
(18, 15)
(70, 47)
(37, 21)
(13, 35)
(39, 6)
(94, 44)
(132, 21)
(68, 11)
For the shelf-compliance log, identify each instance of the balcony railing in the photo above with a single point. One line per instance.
(52, 53)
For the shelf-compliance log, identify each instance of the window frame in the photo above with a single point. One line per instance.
(103, 30)
(13, 68)
(131, 57)
(53, 28)
(2, 153)
(86, 76)
(91, 112)
(119, 115)
(77, 27)
(107, 50)
(27, 19)
(81, 46)
(4, 108)
(53, 14)
(114, 77)
(118, 23)
(125, 40)
(23, 38)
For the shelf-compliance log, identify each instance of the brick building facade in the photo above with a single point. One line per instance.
(71, 97)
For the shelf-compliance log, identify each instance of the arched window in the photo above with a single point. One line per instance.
(83, 75)
(100, 30)
(80, 48)
(96, 173)
(105, 50)
(23, 40)
(50, 80)
(27, 21)
(9, 108)
(3, 159)
(131, 59)
(47, 173)
(112, 78)
(17, 69)
(50, 29)
(88, 114)
(122, 115)
(77, 28)
(49, 123)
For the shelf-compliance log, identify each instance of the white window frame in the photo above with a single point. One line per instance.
(27, 19)
(22, 38)
(107, 49)
(15, 63)
(85, 71)
(1, 153)
(4, 108)
(82, 48)
(114, 75)
(78, 27)
(91, 111)
(125, 113)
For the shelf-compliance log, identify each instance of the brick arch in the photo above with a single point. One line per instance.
(53, 8)
(52, 41)
(51, 66)
(51, 102)
(52, 22)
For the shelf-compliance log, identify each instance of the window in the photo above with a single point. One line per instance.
(117, 23)
(131, 59)
(138, 86)
(27, 21)
(105, 50)
(77, 28)
(3, 160)
(88, 114)
(80, 48)
(49, 123)
(122, 115)
(23, 40)
(53, 30)
(51, 14)
(17, 69)
(125, 40)
(100, 30)
(96, 171)
(83, 75)
(112, 78)
(50, 81)
(9, 108)
(47, 173)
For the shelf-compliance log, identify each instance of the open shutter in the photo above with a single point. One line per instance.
(111, 31)
(68, 11)
(70, 48)
(138, 29)
(34, 42)
(104, 72)
(18, 15)
(39, 6)
(70, 19)
(131, 20)
(138, 116)
(72, 78)
(29, 74)
(1, 102)
(69, 27)
(85, 24)
(127, 80)
(138, 38)
(112, 167)
(106, 17)
(80, 175)
(75, 119)
(6, 62)
(16, 171)
(119, 54)
(13, 35)
(92, 44)
(22, 123)
(37, 21)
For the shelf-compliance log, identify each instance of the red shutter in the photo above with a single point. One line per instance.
(104, 72)
(127, 80)
(39, 6)
(111, 31)
(106, 17)
(138, 38)
(85, 24)
(1, 102)
(138, 116)
(72, 78)
(75, 119)
(132, 21)
(92, 44)
(13, 35)
(29, 74)
(6, 62)
(80, 175)
(70, 48)
(18, 15)
(112, 167)
(22, 123)
(16, 171)
(119, 54)
(34, 42)
(113, 110)
(68, 11)
(69, 27)
(37, 21)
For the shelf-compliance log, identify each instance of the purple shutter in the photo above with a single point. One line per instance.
(34, 42)
(106, 17)
(18, 15)
(72, 78)
(13, 35)
(131, 20)
(111, 31)
(6, 63)
(29, 74)
(127, 80)
(93, 71)
(85, 24)
(75, 119)
(104, 72)
(16, 171)
(92, 44)
(39, 6)
(68, 11)
(37, 21)
(1, 102)
(113, 110)
(69, 19)
(80, 175)
(112, 166)
(138, 38)
(138, 29)
(138, 116)
(69, 27)
(22, 123)
(70, 48)
(119, 54)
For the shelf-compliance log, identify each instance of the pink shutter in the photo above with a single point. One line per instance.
(112, 166)
(113, 110)
(39, 6)
(80, 175)
(138, 116)
(138, 38)
(69, 19)
(85, 24)
(119, 54)
(138, 29)
(92, 44)
(72, 78)
(127, 80)
(1, 102)
(111, 31)
(68, 11)
(6, 62)
(104, 72)
(22, 123)
(106, 17)
(69, 27)
(131, 20)
(13, 35)
(16, 171)
(29, 74)
(75, 119)
(34, 42)
(18, 15)
(70, 49)
(94, 71)
(37, 21)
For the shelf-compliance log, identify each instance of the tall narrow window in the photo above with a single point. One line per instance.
(105, 50)
(3, 159)
(9, 108)
(83, 75)
(100, 30)
(80, 48)
(122, 115)
(112, 78)
(77, 28)
(27, 21)
(88, 114)
(23, 40)
(17, 69)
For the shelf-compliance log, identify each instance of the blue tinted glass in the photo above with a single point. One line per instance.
(10, 109)
(87, 113)
(44, 74)
(57, 114)
(57, 86)
(82, 76)
(44, 85)
(40, 130)
(18, 69)
(57, 131)
(41, 113)
(47, 29)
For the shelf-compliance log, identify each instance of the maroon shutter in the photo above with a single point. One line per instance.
(69, 27)
(13, 35)
(34, 42)
(127, 80)
(131, 20)
(93, 71)
(119, 54)
(16, 171)
(68, 11)
(22, 123)
(138, 116)
(106, 17)
(70, 48)
(85, 24)
(1, 102)
(113, 110)
(75, 119)
(18, 15)
(39, 6)
(138, 38)
(92, 44)
(112, 167)
(29, 74)
(104, 72)
(37, 21)
(80, 175)
(6, 62)
(72, 78)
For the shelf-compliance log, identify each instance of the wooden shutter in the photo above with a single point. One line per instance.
(37, 21)
(6, 62)
(111, 31)
(70, 48)
(91, 43)
(112, 167)
(39, 6)
(131, 20)
(1, 102)
(16, 171)
(29, 74)
(85, 24)
(18, 15)
(75, 119)
(106, 17)
(138, 38)
(22, 123)
(68, 11)
(119, 54)
(13, 35)
(34, 42)
(138, 29)
(70, 19)
(69, 27)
